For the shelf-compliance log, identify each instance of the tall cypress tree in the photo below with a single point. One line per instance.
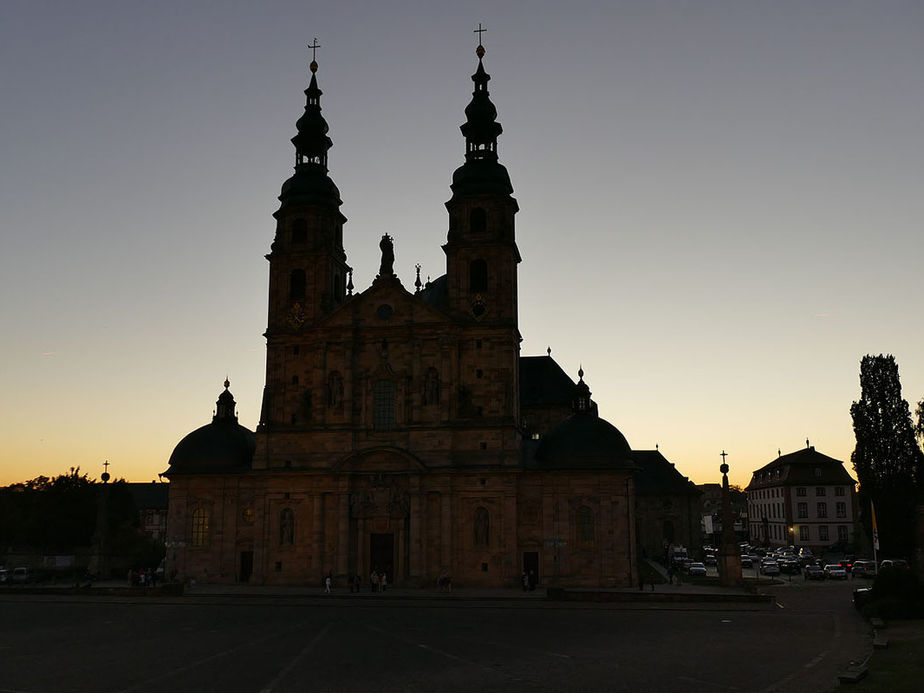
(887, 460)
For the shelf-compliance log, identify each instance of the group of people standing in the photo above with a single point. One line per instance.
(378, 581)
(142, 578)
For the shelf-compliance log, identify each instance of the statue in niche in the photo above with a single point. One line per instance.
(387, 246)
(481, 527)
(286, 527)
(334, 389)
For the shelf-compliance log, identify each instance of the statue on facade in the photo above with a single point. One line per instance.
(387, 245)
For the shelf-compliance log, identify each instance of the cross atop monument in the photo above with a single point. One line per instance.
(106, 466)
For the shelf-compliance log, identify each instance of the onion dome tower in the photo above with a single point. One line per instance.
(481, 250)
(308, 269)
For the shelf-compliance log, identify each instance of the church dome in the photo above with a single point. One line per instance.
(221, 446)
(583, 440)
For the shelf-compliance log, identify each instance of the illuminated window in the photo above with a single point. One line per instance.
(200, 527)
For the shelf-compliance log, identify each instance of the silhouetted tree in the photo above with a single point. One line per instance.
(887, 460)
(919, 426)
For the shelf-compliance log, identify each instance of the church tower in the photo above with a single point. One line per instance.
(308, 270)
(482, 255)
(481, 252)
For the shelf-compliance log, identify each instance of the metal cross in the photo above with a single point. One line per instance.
(723, 456)
(106, 465)
(479, 31)
(314, 45)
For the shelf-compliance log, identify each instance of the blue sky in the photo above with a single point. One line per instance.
(721, 205)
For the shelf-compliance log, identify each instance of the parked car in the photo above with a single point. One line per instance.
(710, 560)
(894, 564)
(746, 562)
(791, 566)
(813, 572)
(864, 568)
(769, 567)
(834, 571)
(4, 576)
(697, 569)
(21, 575)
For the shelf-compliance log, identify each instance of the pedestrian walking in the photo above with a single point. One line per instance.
(327, 582)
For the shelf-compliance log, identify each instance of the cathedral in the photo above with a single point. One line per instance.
(401, 431)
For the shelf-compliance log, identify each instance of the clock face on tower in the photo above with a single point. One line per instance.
(296, 317)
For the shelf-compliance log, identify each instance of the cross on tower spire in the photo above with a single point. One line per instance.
(480, 50)
(314, 45)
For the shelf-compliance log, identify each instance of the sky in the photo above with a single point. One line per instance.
(721, 205)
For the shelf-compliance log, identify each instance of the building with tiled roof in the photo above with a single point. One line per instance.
(803, 498)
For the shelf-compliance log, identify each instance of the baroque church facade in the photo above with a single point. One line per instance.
(401, 430)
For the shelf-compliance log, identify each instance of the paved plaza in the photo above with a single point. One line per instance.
(270, 641)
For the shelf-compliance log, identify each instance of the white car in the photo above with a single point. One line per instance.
(697, 569)
(770, 567)
(834, 572)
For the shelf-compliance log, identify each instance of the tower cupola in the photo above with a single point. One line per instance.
(481, 173)
(311, 184)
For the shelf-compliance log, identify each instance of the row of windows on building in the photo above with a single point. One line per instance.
(801, 491)
(805, 532)
(585, 526)
(776, 510)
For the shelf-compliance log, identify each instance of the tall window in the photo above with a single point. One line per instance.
(842, 532)
(821, 510)
(803, 510)
(200, 527)
(297, 285)
(481, 527)
(478, 220)
(286, 527)
(819, 490)
(384, 405)
(299, 231)
(431, 393)
(478, 275)
(803, 533)
(334, 389)
(585, 525)
(841, 509)
(822, 532)
(838, 490)
(800, 491)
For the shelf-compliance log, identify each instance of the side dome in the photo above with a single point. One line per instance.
(221, 446)
(583, 440)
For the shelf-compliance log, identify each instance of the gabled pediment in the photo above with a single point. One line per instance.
(385, 303)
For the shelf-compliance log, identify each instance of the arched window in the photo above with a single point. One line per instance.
(431, 393)
(478, 275)
(200, 527)
(585, 525)
(384, 405)
(481, 527)
(297, 285)
(299, 231)
(478, 220)
(286, 527)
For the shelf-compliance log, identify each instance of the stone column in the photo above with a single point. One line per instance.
(343, 534)
(729, 563)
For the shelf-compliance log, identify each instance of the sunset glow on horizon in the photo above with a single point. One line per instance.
(720, 206)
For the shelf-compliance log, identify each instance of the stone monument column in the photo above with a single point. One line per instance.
(729, 563)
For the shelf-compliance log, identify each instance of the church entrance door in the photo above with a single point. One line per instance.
(246, 565)
(531, 565)
(382, 555)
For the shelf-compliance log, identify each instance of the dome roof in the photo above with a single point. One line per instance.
(221, 446)
(584, 441)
